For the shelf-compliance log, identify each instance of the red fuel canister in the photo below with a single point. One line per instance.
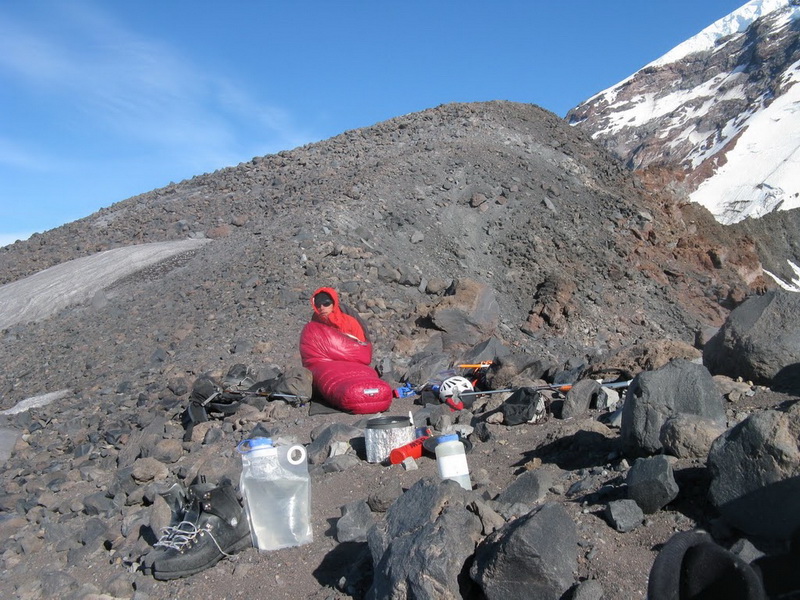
(410, 450)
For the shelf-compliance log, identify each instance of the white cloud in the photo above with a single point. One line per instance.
(142, 91)
(31, 56)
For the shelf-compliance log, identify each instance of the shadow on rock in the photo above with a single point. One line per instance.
(693, 498)
(581, 450)
(331, 531)
(771, 511)
(787, 380)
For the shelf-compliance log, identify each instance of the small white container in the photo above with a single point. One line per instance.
(451, 460)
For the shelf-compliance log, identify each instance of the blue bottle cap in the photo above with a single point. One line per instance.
(258, 443)
(450, 437)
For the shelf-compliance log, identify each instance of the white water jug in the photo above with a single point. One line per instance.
(451, 460)
(277, 493)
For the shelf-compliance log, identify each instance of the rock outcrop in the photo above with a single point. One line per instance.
(760, 341)
(679, 388)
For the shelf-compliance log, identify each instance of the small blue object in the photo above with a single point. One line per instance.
(405, 391)
(254, 444)
(450, 437)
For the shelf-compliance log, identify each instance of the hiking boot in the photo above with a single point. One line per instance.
(176, 499)
(213, 526)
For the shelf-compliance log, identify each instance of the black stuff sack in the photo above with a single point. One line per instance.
(525, 405)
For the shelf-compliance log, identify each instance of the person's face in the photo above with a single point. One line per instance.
(325, 309)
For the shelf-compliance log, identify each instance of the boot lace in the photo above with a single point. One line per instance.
(176, 537)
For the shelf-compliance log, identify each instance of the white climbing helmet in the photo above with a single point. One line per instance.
(454, 386)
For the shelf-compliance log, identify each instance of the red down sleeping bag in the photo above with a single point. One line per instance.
(342, 375)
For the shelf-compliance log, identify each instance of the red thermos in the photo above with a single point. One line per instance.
(412, 450)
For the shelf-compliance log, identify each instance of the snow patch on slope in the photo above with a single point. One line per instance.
(794, 285)
(36, 402)
(710, 38)
(679, 105)
(736, 22)
(762, 172)
(46, 292)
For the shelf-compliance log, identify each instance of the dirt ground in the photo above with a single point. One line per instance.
(620, 562)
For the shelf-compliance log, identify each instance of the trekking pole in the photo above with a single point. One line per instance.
(538, 388)
(617, 384)
(486, 392)
(555, 387)
(210, 399)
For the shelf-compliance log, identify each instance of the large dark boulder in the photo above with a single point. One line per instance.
(530, 557)
(759, 341)
(755, 469)
(422, 548)
(679, 387)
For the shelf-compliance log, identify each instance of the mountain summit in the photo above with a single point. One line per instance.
(719, 112)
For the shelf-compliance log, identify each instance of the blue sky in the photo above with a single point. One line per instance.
(104, 100)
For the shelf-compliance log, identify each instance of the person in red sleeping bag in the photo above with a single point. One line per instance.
(328, 310)
(335, 346)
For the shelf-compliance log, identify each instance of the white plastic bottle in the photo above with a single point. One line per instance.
(451, 460)
(276, 490)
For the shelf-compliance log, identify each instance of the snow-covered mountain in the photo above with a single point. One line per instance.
(720, 113)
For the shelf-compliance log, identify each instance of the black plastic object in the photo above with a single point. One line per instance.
(430, 444)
